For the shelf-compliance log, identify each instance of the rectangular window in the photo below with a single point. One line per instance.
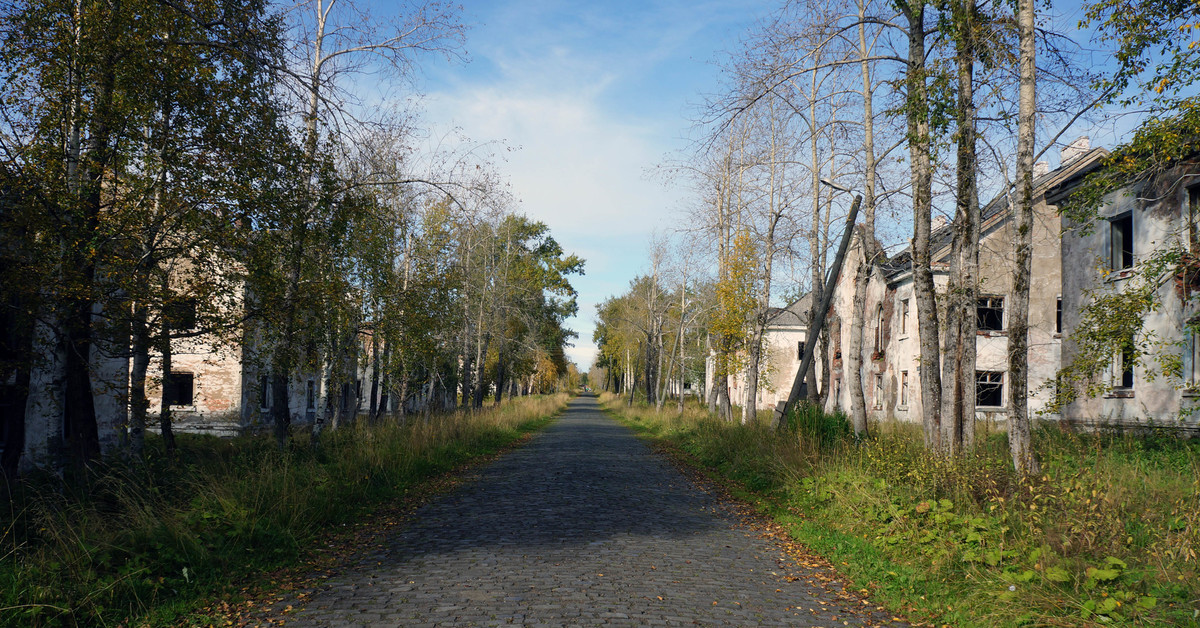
(181, 314)
(904, 317)
(1193, 218)
(989, 389)
(310, 395)
(179, 389)
(878, 391)
(345, 396)
(1058, 318)
(1123, 366)
(800, 350)
(1121, 235)
(878, 330)
(904, 388)
(1194, 356)
(989, 314)
(264, 392)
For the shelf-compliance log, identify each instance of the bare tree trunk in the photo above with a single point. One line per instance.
(138, 403)
(373, 406)
(853, 355)
(164, 419)
(917, 118)
(1020, 441)
(958, 366)
(386, 386)
(862, 277)
(725, 410)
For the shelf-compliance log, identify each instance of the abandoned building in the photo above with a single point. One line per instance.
(1071, 267)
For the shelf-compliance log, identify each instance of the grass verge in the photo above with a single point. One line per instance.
(1108, 534)
(145, 544)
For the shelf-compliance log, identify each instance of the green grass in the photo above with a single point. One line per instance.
(144, 544)
(1108, 534)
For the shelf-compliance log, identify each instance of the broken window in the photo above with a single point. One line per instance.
(904, 317)
(179, 388)
(878, 391)
(904, 387)
(1121, 236)
(989, 314)
(310, 396)
(989, 389)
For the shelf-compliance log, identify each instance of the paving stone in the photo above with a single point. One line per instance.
(584, 525)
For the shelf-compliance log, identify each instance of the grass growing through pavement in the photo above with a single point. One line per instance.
(147, 542)
(1108, 534)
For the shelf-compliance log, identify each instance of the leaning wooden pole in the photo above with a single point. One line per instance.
(814, 328)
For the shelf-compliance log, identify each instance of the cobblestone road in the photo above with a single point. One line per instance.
(584, 525)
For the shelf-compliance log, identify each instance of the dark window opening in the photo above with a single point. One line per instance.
(1058, 318)
(310, 396)
(1193, 219)
(989, 314)
(264, 392)
(989, 389)
(346, 396)
(879, 330)
(180, 389)
(1121, 231)
(800, 350)
(1126, 365)
(181, 314)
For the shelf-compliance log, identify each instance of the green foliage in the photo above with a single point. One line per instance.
(1106, 534)
(158, 538)
(1111, 324)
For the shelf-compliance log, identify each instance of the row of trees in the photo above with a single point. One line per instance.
(193, 168)
(917, 106)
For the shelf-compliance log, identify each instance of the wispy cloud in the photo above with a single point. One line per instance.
(590, 96)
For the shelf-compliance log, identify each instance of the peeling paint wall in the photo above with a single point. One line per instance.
(1159, 211)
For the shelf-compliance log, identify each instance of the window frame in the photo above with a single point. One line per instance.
(993, 379)
(1121, 224)
(986, 303)
(172, 388)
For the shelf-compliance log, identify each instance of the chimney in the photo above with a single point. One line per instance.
(1074, 150)
(1041, 168)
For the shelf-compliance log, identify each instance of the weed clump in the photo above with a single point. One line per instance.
(1107, 533)
(147, 541)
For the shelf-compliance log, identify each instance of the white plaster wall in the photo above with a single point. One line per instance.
(1156, 209)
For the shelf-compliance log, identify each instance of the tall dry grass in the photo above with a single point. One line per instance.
(146, 540)
(1108, 533)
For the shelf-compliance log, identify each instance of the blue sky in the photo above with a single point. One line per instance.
(591, 95)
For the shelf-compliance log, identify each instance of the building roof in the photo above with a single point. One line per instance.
(794, 315)
(996, 211)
